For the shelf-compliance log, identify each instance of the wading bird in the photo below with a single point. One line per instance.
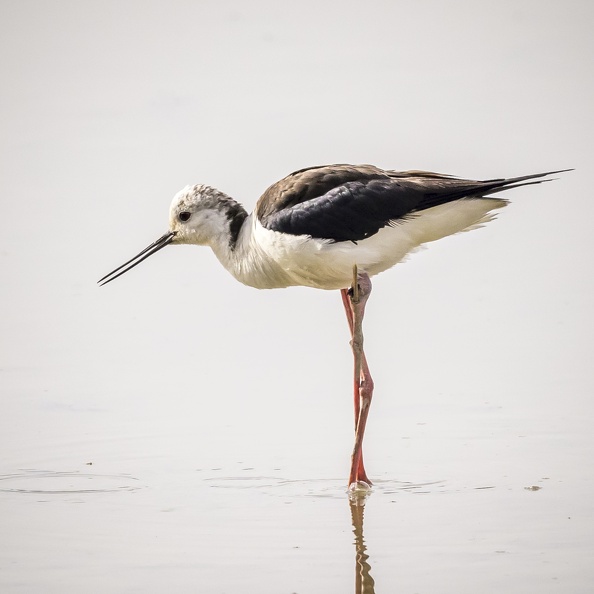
(332, 227)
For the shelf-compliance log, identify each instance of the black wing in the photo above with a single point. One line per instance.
(352, 202)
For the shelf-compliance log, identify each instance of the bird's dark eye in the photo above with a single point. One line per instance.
(184, 216)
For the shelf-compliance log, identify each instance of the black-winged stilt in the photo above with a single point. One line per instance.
(331, 227)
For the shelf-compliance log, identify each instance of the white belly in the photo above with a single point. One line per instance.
(267, 259)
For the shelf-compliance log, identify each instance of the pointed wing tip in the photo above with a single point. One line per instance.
(558, 171)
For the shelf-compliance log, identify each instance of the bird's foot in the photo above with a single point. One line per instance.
(358, 476)
(359, 490)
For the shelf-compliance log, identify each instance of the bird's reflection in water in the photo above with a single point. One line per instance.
(364, 583)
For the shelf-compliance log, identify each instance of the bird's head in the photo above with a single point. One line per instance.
(198, 215)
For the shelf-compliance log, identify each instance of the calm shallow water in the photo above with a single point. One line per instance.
(125, 521)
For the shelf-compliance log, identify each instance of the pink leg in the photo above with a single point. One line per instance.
(354, 301)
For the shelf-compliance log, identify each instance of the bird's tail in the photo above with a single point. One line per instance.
(493, 186)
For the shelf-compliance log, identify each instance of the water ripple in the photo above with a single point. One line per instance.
(51, 482)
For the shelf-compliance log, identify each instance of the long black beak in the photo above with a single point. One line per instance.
(146, 252)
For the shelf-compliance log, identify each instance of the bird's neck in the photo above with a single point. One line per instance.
(236, 216)
(237, 248)
(221, 226)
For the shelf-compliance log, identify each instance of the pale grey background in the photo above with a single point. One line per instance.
(196, 398)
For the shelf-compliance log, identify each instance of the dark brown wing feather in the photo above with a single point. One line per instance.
(352, 202)
(310, 183)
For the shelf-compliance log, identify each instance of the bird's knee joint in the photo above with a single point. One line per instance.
(366, 391)
(356, 345)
